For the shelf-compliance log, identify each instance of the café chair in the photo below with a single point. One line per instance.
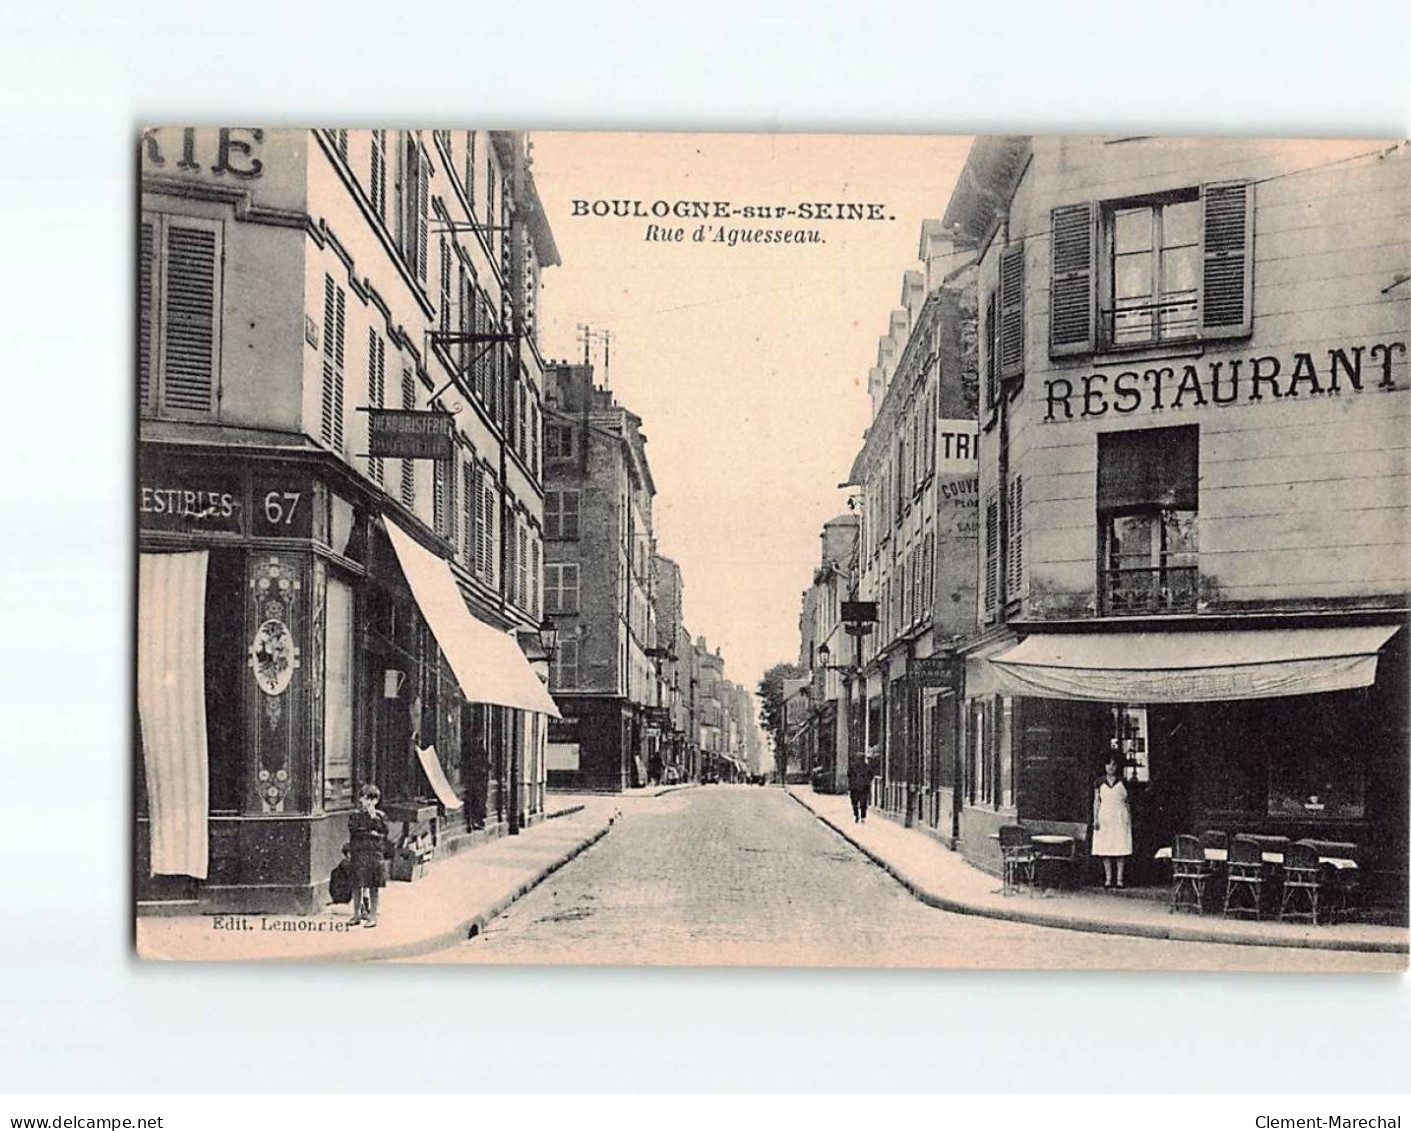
(1189, 871)
(1018, 857)
(1244, 878)
(1303, 883)
(1214, 838)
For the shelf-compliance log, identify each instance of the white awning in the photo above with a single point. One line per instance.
(431, 767)
(1191, 667)
(488, 663)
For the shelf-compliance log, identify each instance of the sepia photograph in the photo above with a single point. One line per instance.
(763, 549)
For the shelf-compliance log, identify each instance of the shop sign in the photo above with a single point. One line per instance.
(957, 447)
(1223, 381)
(226, 152)
(397, 433)
(933, 671)
(859, 612)
(283, 507)
(958, 506)
(190, 501)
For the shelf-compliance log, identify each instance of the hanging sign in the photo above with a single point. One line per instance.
(399, 433)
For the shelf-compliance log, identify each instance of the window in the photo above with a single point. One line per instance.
(561, 511)
(412, 204)
(488, 528)
(561, 587)
(1136, 272)
(1147, 500)
(408, 467)
(335, 302)
(338, 695)
(340, 142)
(376, 390)
(377, 177)
(563, 671)
(178, 315)
(534, 421)
(558, 440)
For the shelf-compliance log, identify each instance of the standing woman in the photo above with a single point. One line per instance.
(1112, 824)
(368, 846)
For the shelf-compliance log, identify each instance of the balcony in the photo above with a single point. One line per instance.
(1156, 589)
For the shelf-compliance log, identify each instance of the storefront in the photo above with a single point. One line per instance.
(292, 643)
(1299, 731)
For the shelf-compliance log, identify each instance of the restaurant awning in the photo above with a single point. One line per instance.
(488, 663)
(1191, 667)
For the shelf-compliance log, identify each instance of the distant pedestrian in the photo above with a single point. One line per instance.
(1112, 824)
(368, 846)
(860, 775)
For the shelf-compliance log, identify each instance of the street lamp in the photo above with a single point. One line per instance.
(549, 638)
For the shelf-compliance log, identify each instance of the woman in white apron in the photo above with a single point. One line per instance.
(1112, 824)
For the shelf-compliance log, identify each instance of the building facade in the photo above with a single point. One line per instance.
(312, 617)
(916, 474)
(821, 640)
(598, 585)
(1194, 489)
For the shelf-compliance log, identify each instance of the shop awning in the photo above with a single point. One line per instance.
(488, 663)
(431, 767)
(1191, 667)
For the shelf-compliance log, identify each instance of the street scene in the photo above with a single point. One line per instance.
(674, 549)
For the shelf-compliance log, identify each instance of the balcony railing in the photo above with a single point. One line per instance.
(1158, 589)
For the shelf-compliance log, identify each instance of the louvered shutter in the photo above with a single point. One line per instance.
(1227, 255)
(463, 324)
(190, 317)
(1015, 563)
(408, 467)
(992, 351)
(1011, 312)
(331, 405)
(147, 314)
(470, 533)
(491, 523)
(422, 216)
(478, 327)
(1073, 298)
(991, 595)
(376, 390)
(438, 496)
(378, 179)
(445, 284)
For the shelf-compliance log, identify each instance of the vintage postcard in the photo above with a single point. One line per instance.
(803, 550)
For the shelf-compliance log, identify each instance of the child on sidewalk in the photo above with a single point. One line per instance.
(368, 846)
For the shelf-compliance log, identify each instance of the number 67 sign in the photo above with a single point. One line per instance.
(282, 509)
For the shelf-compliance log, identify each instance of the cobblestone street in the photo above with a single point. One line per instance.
(741, 875)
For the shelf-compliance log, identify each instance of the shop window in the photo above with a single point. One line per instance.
(1147, 502)
(1317, 771)
(338, 696)
(561, 587)
(1145, 270)
(227, 674)
(561, 514)
(178, 315)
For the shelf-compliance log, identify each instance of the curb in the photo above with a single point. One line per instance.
(1175, 932)
(465, 929)
(676, 788)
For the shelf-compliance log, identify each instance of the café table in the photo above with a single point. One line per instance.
(1220, 855)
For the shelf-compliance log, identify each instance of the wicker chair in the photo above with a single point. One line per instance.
(1189, 872)
(1245, 878)
(1018, 856)
(1303, 883)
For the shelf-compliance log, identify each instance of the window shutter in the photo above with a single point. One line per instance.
(445, 284)
(408, 467)
(331, 405)
(452, 504)
(481, 517)
(1227, 247)
(438, 496)
(190, 314)
(463, 353)
(992, 351)
(378, 178)
(422, 202)
(1011, 312)
(490, 525)
(146, 314)
(991, 595)
(1015, 582)
(534, 609)
(1073, 297)
(522, 565)
(470, 535)
(376, 389)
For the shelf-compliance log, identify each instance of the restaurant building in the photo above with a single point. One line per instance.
(1194, 489)
(311, 615)
(916, 476)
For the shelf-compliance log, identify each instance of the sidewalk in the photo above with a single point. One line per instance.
(456, 896)
(941, 878)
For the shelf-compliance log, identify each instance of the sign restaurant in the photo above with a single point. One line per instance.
(1223, 382)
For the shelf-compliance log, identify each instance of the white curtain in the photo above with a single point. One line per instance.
(171, 704)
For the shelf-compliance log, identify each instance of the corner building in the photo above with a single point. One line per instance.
(311, 617)
(1194, 489)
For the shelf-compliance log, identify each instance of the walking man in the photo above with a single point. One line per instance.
(860, 775)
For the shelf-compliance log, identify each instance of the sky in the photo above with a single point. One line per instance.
(747, 364)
